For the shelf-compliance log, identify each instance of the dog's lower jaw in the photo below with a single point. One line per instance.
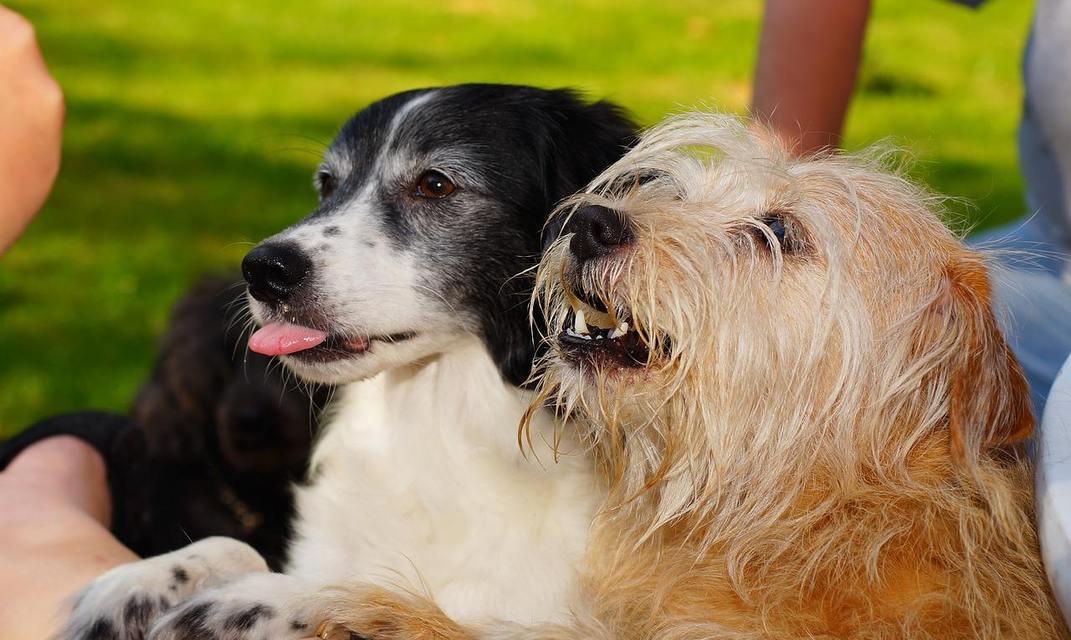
(381, 356)
(419, 482)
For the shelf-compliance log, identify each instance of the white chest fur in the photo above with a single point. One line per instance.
(420, 484)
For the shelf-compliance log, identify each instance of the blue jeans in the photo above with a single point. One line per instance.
(1032, 298)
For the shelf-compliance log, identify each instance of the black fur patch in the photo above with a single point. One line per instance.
(332, 232)
(191, 624)
(102, 630)
(179, 575)
(245, 620)
(138, 614)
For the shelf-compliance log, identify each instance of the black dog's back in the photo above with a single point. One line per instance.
(220, 435)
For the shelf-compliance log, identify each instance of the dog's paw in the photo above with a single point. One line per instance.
(269, 606)
(123, 603)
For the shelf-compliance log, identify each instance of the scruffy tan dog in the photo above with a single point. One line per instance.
(795, 390)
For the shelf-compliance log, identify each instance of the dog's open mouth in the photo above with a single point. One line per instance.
(593, 335)
(314, 345)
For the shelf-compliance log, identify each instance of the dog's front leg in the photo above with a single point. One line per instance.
(375, 613)
(123, 603)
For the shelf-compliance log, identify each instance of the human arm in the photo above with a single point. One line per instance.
(808, 59)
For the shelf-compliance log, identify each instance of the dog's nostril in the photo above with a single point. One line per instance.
(275, 271)
(596, 231)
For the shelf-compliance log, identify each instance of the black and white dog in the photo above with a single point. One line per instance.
(410, 285)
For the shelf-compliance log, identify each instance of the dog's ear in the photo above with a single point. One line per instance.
(989, 405)
(573, 142)
(589, 138)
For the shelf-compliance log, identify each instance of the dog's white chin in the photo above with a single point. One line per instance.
(381, 357)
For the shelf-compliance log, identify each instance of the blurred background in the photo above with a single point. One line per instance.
(193, 130)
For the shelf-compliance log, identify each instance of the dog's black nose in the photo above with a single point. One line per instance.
(275, 271)
(597, 231)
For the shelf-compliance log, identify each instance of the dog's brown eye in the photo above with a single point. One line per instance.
(325, 184)
(433, 184)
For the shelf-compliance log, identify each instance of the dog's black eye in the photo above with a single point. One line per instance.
(433, 184)
(777, 228)
(325, 184)
(780, 229)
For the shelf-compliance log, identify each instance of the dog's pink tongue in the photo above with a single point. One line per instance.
(281, 338)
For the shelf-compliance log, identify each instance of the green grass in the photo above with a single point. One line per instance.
(193, 129)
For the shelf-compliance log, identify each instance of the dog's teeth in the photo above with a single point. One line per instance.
(578, 323)
(573, 334)
(620, 331)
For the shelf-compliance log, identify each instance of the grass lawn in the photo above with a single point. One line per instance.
(193, 129)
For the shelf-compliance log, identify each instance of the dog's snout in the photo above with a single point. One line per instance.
(275, 271)
(596, 231)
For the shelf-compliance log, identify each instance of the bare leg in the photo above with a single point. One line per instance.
(54, 538)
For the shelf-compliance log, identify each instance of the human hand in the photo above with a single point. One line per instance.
(31, 125)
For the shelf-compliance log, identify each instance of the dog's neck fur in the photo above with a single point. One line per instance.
(797, 525)
(448, 503)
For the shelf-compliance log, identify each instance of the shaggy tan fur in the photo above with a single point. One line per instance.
(822, 443)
